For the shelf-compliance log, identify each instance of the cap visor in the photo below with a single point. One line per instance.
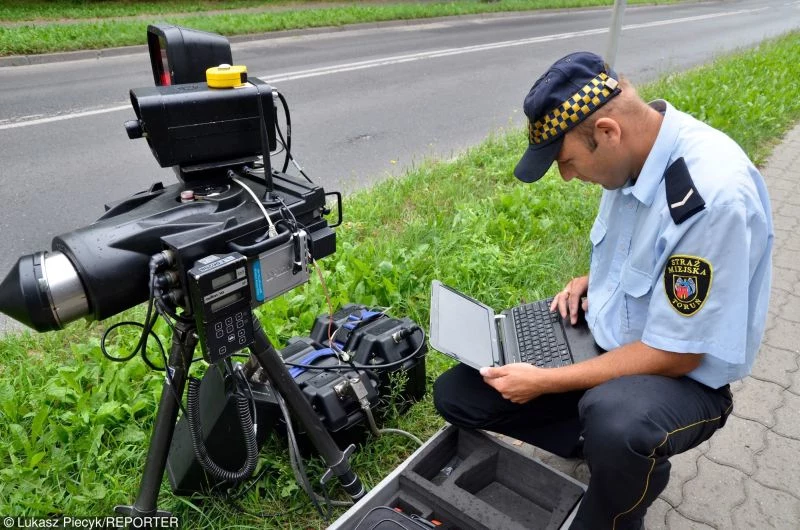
(537, 160)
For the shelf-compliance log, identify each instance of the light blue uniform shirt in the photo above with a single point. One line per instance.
(634, 236)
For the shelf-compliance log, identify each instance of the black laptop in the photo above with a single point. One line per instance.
(470, 332)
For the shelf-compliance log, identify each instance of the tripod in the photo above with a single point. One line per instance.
(184, 341)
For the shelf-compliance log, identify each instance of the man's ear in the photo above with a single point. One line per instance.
(608, 131)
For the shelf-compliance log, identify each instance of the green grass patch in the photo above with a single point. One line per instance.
(65, 10)
(753, 96)
(97, 24)
(74, 427)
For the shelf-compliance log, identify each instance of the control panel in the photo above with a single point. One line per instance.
(221, 297)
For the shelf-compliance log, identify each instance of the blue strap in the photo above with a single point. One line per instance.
(294, 371)
(353, 320)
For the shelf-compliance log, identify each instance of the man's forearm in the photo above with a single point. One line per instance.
(631, 359)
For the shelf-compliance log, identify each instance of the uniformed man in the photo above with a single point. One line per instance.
(677, 291)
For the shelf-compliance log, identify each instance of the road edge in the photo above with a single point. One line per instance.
(45, 58)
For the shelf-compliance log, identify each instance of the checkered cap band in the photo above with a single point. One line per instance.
(585, 101)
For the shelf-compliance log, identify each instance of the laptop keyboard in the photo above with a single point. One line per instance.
(538, 343)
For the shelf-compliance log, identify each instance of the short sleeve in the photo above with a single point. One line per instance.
(700, 297)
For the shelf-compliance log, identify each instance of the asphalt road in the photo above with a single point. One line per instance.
(365, 103)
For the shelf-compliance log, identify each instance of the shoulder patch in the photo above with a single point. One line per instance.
(683, 198)
(687, 282)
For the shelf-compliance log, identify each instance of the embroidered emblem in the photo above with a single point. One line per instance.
(687, 280)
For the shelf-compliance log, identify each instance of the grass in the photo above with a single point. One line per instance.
(60, 10)
(74, 427)
(63, 25)
(742, 95)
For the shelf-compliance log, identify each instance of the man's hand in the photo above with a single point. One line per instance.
(517, 382)
(522, 382)
(568, 300)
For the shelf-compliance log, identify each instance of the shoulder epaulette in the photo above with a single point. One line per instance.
(683, 199)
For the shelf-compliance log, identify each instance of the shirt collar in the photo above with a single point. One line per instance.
(657, 161)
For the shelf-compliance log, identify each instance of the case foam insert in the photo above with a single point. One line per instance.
(470, 480)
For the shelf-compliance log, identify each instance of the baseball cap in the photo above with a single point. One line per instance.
(565, 95)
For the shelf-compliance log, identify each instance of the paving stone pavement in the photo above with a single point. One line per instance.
(747, 476)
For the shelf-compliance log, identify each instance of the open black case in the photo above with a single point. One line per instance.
(468, 480)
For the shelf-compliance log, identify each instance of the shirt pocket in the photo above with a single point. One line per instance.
(596, 236)
(637, 287)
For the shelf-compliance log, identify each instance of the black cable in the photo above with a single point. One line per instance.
(147, 360)
(252, 482)
(284, 208)
(164, 315)
(156, 262)
(145, 332)
(294, 455)
(232, 499)
(265, 153)
(168, 375)
(146, 328)
(367, 366)
(328, 502)
(287, 144)
(164, 309)
(242, 376)
(200, 451)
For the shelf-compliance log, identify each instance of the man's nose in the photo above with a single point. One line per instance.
(565, 172)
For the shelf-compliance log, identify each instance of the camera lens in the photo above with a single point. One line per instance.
(43, 291)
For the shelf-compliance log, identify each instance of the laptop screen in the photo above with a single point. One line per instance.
(462, 327)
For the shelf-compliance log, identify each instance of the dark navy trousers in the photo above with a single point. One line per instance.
(626, 429)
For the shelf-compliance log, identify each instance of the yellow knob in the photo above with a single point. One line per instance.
(226, 76)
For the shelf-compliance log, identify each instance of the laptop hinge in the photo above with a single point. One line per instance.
(499, 321)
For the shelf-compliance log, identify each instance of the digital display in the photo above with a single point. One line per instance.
(223, 279)
(226, 301)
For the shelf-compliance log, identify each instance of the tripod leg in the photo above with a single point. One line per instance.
(335, 459)
(184, 341)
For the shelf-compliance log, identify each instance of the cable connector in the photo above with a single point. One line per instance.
(167, 279)
(175, 296)
(165, 258)
(403, 333)
(359, 391)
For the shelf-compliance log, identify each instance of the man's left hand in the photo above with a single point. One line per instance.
(517, 382)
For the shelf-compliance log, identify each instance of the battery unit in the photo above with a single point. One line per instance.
(328, 391)
(368, 335)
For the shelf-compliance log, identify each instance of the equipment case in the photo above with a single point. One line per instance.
(468, 480)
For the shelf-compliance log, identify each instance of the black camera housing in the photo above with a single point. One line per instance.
(111, 255)
(180, 55)
(195, 125)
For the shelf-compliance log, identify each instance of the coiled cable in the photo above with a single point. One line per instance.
(200, 451)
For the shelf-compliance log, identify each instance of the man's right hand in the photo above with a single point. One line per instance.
(571, 298)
